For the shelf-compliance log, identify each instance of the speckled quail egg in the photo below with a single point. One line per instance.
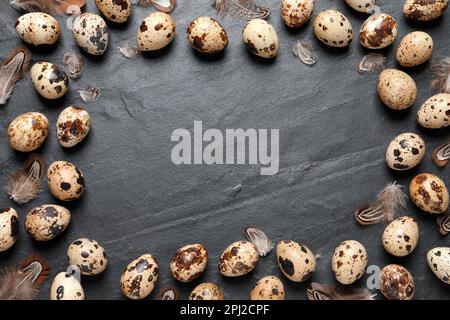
(296, 13)
(155, 32)
(414, 49)
(435, 112)
(396, 283)
(28, 131)
(378, 31)
(207, 291)
(429, 193)
(420, 10)
(401, 236)
(238, 258)
(115, 10)
(49, 80)
(9, 228)
(406, 151)
(38, 28)
(261, 38)
(206, 35)
(189, 262)
(349, 261)
(361, 5)
(72, 126)
(66, 286)
(268, 288)
(91, 33)
(46, 222)
(333, 28)
(88, 255)
(139, 278)
(65, 181)
(439, 262)
(295, 260)
(396, 89)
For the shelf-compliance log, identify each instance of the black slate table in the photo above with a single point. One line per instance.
(333, 135)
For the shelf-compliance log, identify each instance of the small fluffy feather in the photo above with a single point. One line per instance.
(371, 62)
(242, 9)
(90, 94)
(305, 52)
(444, 224)
(129, 51)
(53, 7)
(389, 202)
(166, 6)
(259, 239)
(323, 292)
(12, 70)
(75, 64)
(441, 76)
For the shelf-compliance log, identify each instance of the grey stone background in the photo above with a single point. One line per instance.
(333, 136)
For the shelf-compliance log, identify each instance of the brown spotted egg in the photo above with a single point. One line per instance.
(139, 278)
(28, 131)
(155, 32)
(207, 35)
(66, 286)
(239, 258)
(49, 80)
(207, 291)
(349, 261)
(38, 28)
(378, 31)
(333, 28)
(396, 283)
(420, 10)
(414, 49)
(9, 228)
(295, 260)
(72, 126)
(261, 38)
(435, 112)
(439, 262)
(189, 262)
(396, 89)
(296, 13)
(268, 288)
(90, 32)
(361, 5)
(88, 255)
(115, 10)
(401, 236)
(429, 193)
(406, 151)
(65, 181)
(47, 221)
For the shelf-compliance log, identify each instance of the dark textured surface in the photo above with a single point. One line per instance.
(333, 136)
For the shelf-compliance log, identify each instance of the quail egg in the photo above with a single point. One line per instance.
(414, 49)
(189, 262)
(139, 278)
(49, 80)
(38, 28)
(9, 228)
(261, 38)
(268, 288)
(155, 32)
(420, 10)
(396, 283)
(207, 291)
(206, 35)
(67, 286)
(349, 261)
(361, 5)
(435, 112)
(439, 262)
(65, 181)
(239, 258)
(47, 221)
(88, 255)
(396, 89)
(28, 131)
(72, 126)
(91, 33)
(333, 28)
(429, 193)
(295, 260)
(378, 31)
(296, 13)
(401, 236)
(115, 10)
(406, 151)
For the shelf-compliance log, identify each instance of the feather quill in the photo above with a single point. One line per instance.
(53, 7)
(441, 76)
(12, 70)
(23, 282)
(323, 292)
(386, 207)
(242, 9)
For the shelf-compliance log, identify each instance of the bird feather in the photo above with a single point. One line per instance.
(319, 291)
(242, 9)
(12, 70)
(53, 7)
